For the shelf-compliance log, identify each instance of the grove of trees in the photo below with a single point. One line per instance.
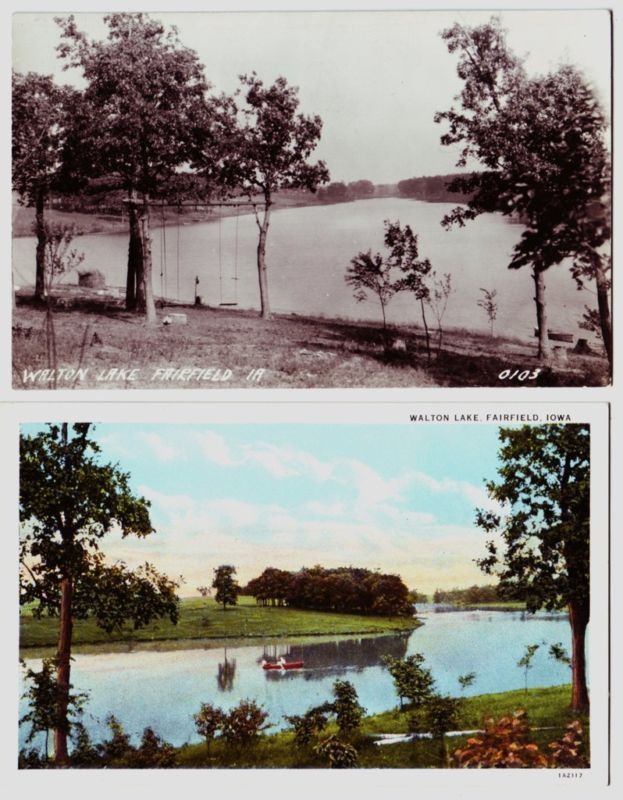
(347, 589)
(145, 117)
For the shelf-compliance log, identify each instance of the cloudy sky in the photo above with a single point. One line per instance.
(397, 497)
(375, 78)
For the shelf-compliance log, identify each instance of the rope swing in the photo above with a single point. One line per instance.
(234, 277)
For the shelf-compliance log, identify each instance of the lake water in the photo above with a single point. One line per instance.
(164, 689)
(309, 250)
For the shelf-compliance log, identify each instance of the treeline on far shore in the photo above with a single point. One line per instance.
(469, 596)
(103, 198)
(344, 589)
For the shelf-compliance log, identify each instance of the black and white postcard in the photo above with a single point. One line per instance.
(311, 199)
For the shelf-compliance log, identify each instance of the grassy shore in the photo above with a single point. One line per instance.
(547, 709)
(94, 334)
(202, 621)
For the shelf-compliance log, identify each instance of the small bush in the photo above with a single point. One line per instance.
(502, 744)
(348, 711)
(569, 751)
(244, 723)
(152, 753)
(208, 721)
(340, 755)
(309, 724)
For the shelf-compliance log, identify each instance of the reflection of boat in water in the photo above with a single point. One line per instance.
(282, 664)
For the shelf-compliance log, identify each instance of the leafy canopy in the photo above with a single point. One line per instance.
(144, 101)
(68, 502)
(541, 553)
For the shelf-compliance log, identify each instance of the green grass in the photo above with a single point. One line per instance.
(202, 620)
(546, 708)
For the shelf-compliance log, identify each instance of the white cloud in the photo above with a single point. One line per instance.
(162, 450)
(215, 448)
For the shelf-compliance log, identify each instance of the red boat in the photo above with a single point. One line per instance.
(282, 664)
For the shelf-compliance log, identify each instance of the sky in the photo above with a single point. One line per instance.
(375, 78)
(399, 498)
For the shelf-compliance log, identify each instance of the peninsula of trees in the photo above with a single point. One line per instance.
(345, 589)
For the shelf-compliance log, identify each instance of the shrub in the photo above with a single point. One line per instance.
(309, 724)
(152, 753)
(118, 748)
(208, 721)
(347, 709)
(340, 755)
(502, 744)
(569, 751)
(244, 723)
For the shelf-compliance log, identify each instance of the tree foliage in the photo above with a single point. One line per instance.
(244, 723)
(226, 586)
(412, 680)
(345, 589)
(348, 711)
(540, 552)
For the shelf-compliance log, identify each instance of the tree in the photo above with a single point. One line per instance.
(541, 554)
(381, 276)
(225, 585)
(68, 503)
(442, 714)
(412, 679)
(269, 148)
(143, 104)
(40, 114)
(437, 300)
(537, 138)
(525, 662)
(348, 711)
(403, 244)
(42, 695)
(489, 305)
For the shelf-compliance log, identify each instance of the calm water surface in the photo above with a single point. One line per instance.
(309, 250)
(164, 689)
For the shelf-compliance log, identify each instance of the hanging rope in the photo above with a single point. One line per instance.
(236, 257)
(220, 257)
(163, 254)
(179, 211)
(234, 278)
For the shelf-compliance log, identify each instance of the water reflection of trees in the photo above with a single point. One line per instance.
(226, 673)
(335, 658)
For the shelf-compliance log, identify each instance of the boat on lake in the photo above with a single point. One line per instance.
(282, 664)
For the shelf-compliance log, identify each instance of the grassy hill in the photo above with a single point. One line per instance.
(203, 620)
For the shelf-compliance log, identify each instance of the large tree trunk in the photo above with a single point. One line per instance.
(40, 252)
(139, 289)
(63, 668)
(604, 308)
(578, 619)
(144, 285)
(135, 256)
(543, 353)
(261, 261)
